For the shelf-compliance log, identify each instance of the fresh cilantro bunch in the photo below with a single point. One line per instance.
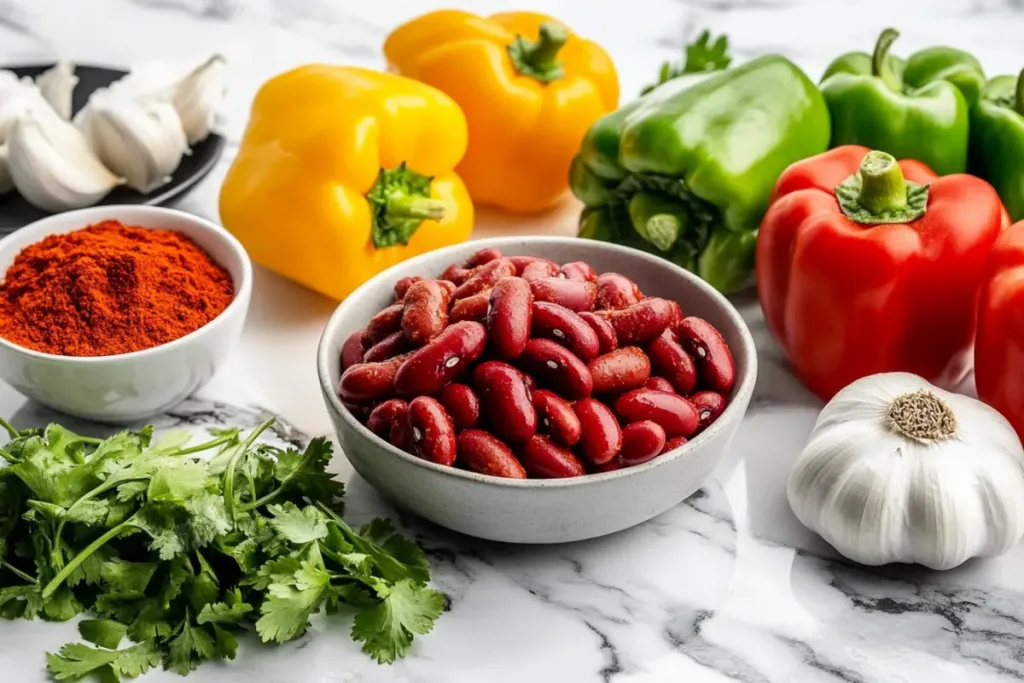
(701, 55)
(177, 549)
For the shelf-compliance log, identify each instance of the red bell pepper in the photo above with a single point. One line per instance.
(999, 351)
(867, 265)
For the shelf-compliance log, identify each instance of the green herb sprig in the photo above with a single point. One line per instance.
(701, 55)
(176, 549)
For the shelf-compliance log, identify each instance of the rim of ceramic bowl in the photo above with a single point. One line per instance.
(744, 387)
(93, 214)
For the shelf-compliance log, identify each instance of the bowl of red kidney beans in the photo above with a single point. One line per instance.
(536, 389)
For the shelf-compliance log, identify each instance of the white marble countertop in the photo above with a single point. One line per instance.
(725, 587)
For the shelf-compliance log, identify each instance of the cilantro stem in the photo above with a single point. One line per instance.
(20, 574)
(9, 428)
(267, 498)
(229, 471)
(7, 456)
(213, 443)
(84, 555)
(110, 483)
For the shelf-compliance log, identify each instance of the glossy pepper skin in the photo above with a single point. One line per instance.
(917, 109)
(530, 88)
(846, 298)
(999, 349)
(344, 172)
(997, 140)
(686, 171)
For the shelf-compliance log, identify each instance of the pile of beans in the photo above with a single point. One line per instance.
(518, 367)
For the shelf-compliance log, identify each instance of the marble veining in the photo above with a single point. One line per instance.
(725, 587)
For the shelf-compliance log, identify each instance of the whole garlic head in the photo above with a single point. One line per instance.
(898, 470)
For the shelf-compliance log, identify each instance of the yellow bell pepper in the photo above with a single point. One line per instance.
(344, 172)
(530, 89)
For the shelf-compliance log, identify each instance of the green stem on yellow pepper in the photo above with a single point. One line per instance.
(539, 59)
(880, 63)
(404, 207)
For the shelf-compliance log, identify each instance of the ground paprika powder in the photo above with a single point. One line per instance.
(109, 289)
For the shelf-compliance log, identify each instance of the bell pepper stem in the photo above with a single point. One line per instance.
(1019, 99)
(657, 218)
(405, 207)
(880, 63)
(883, 187)
(543, 53)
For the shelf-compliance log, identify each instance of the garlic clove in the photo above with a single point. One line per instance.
(6, 184)
(140, 140)
(52, 166)
(199, 98)
(17, 99)
(57, 85)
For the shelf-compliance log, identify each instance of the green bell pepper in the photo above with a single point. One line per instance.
(687, 170)
(913, 109)
(997, 140)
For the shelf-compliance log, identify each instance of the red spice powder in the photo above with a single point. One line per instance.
(109, 289)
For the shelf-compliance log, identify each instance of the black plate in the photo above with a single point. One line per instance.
(15, 212)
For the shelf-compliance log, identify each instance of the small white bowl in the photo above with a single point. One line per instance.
(131, 386)
(540, 510)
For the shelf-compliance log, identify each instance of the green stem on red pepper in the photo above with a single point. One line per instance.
(880, 63)
(878, 193)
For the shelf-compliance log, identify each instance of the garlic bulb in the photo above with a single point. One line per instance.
(199, 98)
(52, 166)
(140, 140)
(6, 184)
(898, 470)
(57, 85)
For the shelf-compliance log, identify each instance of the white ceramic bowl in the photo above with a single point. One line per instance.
(537, 510)
(130, 386)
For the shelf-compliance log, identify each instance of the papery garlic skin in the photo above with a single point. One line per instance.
(57, 85)
(140, 140)
(878, 496)
(53, 167)
(199, 98)
(6, 182)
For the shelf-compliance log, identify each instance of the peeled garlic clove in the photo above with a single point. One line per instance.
(16, 100)
(53, 171)
(199, 98)
(142, 141)
(6, 184)
(57, 85)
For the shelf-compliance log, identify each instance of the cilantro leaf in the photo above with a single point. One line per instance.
(103, 632)
(75, 661)
(290, 604)
(190, 648)
(21, 602)
(702, 56)
(179, 483)
(387, 628)
(298, 526)
(307, 472)
(232, 611)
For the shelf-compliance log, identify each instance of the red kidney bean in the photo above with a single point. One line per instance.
(381, 418)
(566, 327)
(401, 435)
(641, 441)
(620, 370)
(520, 263)
(601, 437)
(557, 367)
(709, 405)
(352, 350)
(433, 434)
(505, 400)
(556, 417)
(359, 412)
(471, 308)
(642, 322)
(616, 291)
(388, 347)
(546, 460)
(425, 311)
(448, 287)
(428, 369)
(403, 285)
(669, 359)
(607, 341)
(456, 274)
(578, 270)
(487, 454)
(365, 382)
(675, 414)
(387, 321)
(486, 255)
(714, 360)
(572, 294)
(610, 466)
(461, 403)
(485, 277)
(509, 317)
(677, 316)
(531, 384)
(539, 270)
(660, 384)
(674, 443)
